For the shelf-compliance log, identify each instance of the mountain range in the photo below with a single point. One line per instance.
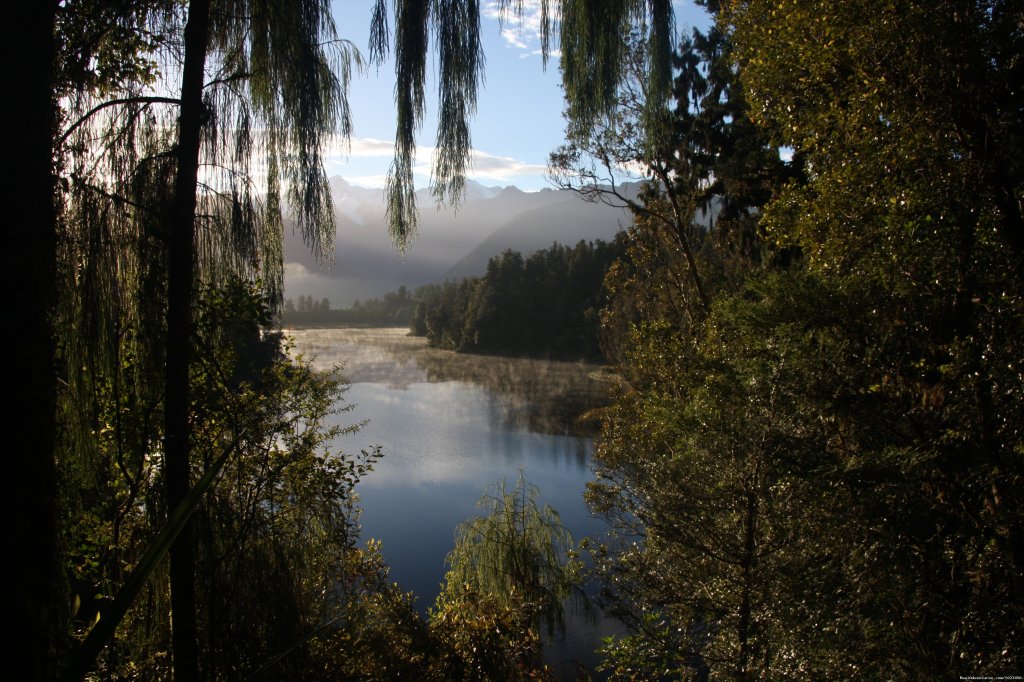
(451, 243)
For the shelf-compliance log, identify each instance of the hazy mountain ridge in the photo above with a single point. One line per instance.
(567, 222)
(450, 243)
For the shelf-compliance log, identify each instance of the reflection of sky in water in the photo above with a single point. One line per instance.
(539, 395)
(449, 426)
(451, 433)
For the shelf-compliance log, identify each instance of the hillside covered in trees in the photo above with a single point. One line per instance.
(546, 305)
(393, 309)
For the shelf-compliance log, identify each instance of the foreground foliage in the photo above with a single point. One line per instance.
(279, 522)
(814, 466)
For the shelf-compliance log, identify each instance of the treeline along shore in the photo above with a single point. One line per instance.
(543, 305)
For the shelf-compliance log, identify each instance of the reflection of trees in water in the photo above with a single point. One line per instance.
(372, 355)
(543, 396)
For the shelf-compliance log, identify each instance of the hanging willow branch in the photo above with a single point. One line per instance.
(517, 550)
(593, 64)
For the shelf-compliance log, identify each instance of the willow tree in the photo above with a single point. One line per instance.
(278, 94)
(593, 60)
(167, 191)
(179, 173)
(512, 569)
(517, 552)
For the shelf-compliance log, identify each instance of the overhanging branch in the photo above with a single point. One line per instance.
(113, 103)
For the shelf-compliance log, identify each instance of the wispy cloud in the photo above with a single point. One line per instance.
(488, 166)
(521, 29)
(552, 54)
(366, 161)
(370, 147)
(360, 147)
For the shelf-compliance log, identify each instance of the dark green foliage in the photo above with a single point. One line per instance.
(440, 314)
(819, 470)
(279, 522)
(703, 185)
(542, 306)
(715, 459)
(394, 309)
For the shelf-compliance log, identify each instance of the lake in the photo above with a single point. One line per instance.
(451, 425)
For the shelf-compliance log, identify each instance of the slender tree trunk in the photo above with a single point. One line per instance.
(747, 567)
(180, 295)
(681, 220)
(31, 601)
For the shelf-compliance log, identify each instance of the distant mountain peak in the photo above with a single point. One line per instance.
(510, 191)
(338, 184)
(451, 241)
(476, 190)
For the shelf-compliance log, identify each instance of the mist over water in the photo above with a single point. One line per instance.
(451, 425)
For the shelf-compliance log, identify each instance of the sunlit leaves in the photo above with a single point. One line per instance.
(518, 554)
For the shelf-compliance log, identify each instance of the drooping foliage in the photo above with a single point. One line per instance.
(167, 192)
(274, 96)
(592, 59)
(512, 570)
(279, 521)
(517, 551)
(184, 128)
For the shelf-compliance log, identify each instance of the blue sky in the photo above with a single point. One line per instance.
(519, 114)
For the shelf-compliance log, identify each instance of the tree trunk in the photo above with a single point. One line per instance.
(180, 295)
(747, 567)
(31, 601)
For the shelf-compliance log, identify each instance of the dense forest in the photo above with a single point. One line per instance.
(545, 305)
(393, 309)
(814, 460)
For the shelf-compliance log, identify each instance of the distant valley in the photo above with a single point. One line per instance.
(451, 243)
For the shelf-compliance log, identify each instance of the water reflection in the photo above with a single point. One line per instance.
(538, 395)
(450, 426)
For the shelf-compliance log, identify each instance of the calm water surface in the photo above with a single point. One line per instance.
(451, 425)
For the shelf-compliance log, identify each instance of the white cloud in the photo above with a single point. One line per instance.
(368, 146)
(521, 28)
(512, 37)
(368, 162)
(296, 272)
(552, 54)
(359, 147)
(484, 165)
